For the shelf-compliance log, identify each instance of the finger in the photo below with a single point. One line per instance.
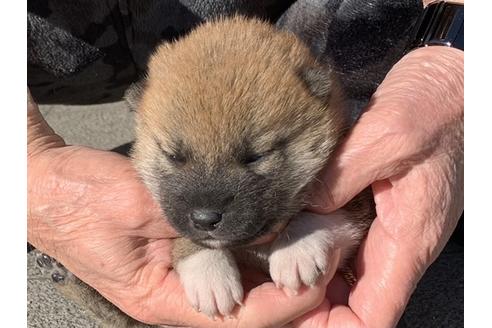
(367, 155)
(40, 136)
(337, 293)
(391, 260)
(398, 129)
(317, 318)
(384, 287)
(30, 101)
(268, 306)
(338, 290)
(416, 216)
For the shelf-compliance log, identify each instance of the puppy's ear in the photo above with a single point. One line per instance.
(319, 81)
(134, 94)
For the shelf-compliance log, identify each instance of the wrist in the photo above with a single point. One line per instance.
(425, 92)
(430, 81)
(442, 75)
(427, 2)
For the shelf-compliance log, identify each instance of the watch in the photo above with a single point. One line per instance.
(441, 23)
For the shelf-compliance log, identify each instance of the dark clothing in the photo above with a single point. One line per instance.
(90, 51)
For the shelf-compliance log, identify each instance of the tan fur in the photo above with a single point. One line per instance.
(207, 62)
(213, 119)
(217, 57)
(182, 248)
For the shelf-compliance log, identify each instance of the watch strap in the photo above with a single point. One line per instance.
(441, 23)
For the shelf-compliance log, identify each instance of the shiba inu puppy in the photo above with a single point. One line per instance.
(234, 121)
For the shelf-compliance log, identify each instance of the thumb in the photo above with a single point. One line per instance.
(371, 152)
(396, 129)
(269, 306)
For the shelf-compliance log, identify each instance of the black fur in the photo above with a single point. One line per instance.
(359, 39)
(251, 203)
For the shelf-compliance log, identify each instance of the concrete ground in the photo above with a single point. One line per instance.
(437, 301)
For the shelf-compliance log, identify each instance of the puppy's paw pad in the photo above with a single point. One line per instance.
(211, 281)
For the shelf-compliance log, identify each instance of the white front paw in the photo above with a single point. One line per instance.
(211, 281)
(302, 254)
(298, 263)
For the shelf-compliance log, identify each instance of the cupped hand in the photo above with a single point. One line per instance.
(408, 145)
(88, 209)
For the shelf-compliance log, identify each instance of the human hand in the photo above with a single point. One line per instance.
(408, 146)
(88, 209)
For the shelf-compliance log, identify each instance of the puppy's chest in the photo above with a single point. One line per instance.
(254, 257)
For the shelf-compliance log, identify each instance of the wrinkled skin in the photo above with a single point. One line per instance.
(88, 209)
(408, 146)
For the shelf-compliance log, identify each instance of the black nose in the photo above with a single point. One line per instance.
(205, 219)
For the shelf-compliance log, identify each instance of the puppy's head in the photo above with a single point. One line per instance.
(232, 124)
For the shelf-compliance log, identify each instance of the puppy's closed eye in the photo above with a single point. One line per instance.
(175, 158)
(251, 157)
(254, 158)
(172, 154)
